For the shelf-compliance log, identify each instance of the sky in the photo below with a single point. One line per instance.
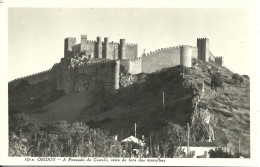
(36, 35)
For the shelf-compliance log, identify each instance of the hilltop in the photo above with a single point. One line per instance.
(139, 100)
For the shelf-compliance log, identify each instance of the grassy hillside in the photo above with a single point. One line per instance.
(141, 103)
(229, 105)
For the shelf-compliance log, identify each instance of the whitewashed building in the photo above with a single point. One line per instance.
(199, 149)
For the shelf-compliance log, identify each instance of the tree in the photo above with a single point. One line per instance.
(169, 139)
(64, 139)
(246, 76)
(216, 80)
(238, 79)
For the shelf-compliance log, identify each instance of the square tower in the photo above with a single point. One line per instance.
(219, 61)
(203, 49)
(68, 43)
(83, 42)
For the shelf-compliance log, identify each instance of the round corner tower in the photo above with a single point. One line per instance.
(99, 47)
(186, 56)
(122, 49)
(106, 42)
(116, 75)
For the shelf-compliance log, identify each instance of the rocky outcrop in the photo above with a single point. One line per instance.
(201, 127)
(126, 80)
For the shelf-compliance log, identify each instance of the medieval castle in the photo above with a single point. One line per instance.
(92, 65)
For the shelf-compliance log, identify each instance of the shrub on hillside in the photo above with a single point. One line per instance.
(216, 80)
(237, 79)
(219, 153)
(223, 112)
(246, 76)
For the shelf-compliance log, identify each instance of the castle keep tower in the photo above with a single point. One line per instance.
(122, 49)
(99, 47)
(83, 40)
(68, 43)
(203, 49)
(186, 55)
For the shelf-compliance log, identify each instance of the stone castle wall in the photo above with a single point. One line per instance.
(168, 57)
(131, 51)
(195, 52)
(133, 66)
(125, 66)
(211, 57)
(66, 78)
(88, 49)
(99, 76)
(159, 59)
(113, 51)
(136, 66)
(34, 78)
(92, 77)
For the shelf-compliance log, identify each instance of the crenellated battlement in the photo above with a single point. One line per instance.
(218, 57)
(113, 43)
(97, 63)
(136, 59)
(83, 36)
(34, 78)
(131, 44)
(162, 50)
(91, 41)
(54, 65)
(32, 75)
(202, 38)
(187, 46)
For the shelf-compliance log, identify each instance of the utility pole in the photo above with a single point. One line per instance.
(183, 72)
(135, 129)
(151, 151)
(226, 147)
(121, 134)
(163, 102)
(239, 147)
(188, 138)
